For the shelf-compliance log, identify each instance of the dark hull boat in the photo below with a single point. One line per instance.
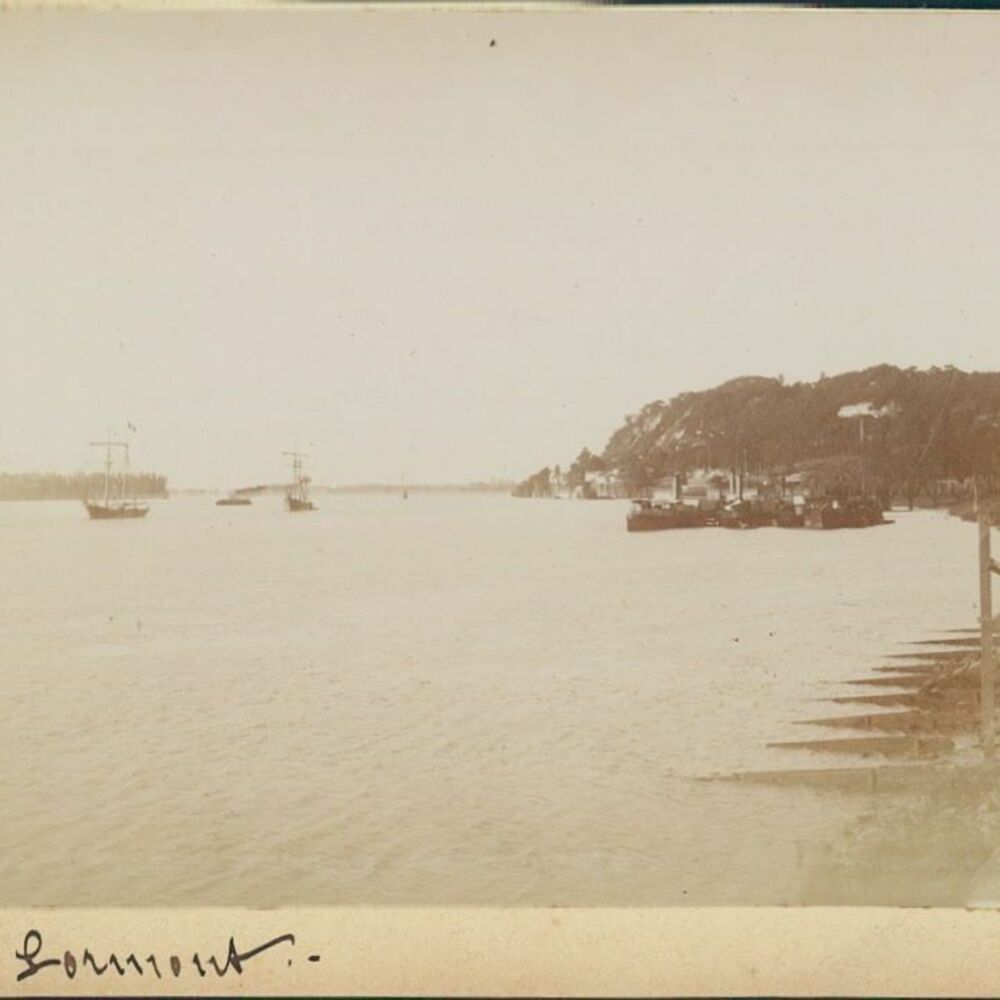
(296, 504)
(233, 502)
(744, 514)
(789, 517)
(825, 518)
(119, 498)
(104, 512)
(648, 516)
(860, 513)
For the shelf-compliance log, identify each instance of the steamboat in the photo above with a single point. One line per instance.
(233, 500)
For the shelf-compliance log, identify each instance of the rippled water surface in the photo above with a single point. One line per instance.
(448, 699)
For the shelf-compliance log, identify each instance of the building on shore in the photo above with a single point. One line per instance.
(706, 486)
(603, 486)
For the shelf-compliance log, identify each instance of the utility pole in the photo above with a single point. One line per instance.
(987, 694)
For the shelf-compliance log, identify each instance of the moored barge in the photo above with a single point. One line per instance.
(826, 514)
(858, 512)
(647, 515)
(745, 514)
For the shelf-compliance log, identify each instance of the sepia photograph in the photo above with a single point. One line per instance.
(499, 460)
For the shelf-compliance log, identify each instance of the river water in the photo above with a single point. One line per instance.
(449, 699)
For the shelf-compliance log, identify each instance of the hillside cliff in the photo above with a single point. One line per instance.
(901, 431)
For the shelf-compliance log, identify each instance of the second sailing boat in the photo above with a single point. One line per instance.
(297, 494)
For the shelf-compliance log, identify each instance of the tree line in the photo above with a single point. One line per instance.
(895, 432)
(76, 486)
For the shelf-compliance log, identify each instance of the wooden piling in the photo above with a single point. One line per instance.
(986, 678)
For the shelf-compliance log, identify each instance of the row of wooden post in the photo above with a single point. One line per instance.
(987, 685)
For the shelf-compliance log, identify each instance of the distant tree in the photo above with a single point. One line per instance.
(77, 486)
(537, 485)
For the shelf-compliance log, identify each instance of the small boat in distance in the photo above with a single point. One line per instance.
(297, 494)
(233, 500)
(119, 498)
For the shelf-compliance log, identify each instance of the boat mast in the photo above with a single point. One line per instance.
(108, 445)
(126, 477)
(298, 488)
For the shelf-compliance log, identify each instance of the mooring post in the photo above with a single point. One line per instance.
(986, 676)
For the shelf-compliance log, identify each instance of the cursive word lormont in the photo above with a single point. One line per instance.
(31, 960)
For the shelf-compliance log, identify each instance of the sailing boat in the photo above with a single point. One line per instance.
(297, 494)
(119, 497)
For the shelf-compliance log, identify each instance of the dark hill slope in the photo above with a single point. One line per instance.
(922, 427)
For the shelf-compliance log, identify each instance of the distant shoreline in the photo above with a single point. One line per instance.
(278, 489)
(497, 487)
(29, 487)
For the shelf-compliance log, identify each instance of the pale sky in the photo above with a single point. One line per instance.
(376, 238)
